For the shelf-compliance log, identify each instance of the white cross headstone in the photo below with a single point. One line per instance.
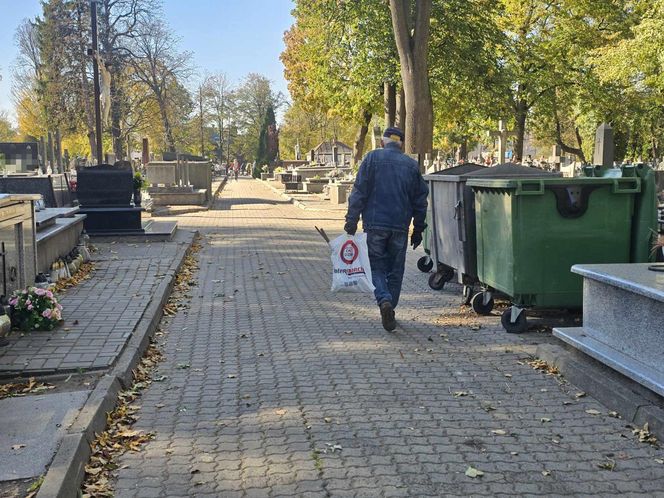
(502, 134)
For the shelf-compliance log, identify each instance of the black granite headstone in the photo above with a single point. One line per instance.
(104, 185)
(53, 188)
(105, 194)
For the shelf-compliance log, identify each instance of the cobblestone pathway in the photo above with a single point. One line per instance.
(274, 387)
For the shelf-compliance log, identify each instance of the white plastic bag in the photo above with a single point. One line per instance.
(351, 269)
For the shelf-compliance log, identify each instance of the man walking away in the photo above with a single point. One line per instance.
(389, 192)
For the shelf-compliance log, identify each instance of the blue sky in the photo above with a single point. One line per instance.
(233, 36)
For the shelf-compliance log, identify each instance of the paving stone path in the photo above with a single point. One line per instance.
(100, 313)
(275, 387)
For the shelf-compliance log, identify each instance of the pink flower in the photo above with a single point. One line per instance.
(30, 307)
(28, 302)
(49, 294)
(59, 307)
(13, 301)
(40, 292)
(47, 313)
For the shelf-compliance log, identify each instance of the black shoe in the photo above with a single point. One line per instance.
(387, 316)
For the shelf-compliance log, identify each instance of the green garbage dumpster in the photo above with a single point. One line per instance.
(531, 231)
(452, 223)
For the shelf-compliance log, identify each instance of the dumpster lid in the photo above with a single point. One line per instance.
(535, 184)
(510, 170)
(453, 173)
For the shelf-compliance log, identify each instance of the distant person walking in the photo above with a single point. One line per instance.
(389, 193)
(236, 169)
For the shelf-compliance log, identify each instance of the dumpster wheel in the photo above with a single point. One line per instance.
(516, 327)
(467, 294)
(425, 264)
(438, 280)
(481, 304)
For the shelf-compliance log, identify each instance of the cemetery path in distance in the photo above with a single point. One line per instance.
(273, 386)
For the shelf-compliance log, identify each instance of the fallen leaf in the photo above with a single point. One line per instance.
(514, 453)
(614, 414)
(580, 394)
(509, 376)
(280, 411)
(660, 460)
(327, 420)
(460, 394)
(608, 464)
(498, 432)
(473, 472)
(593, 412)
(546, 473)
(545, 419)
(231, 376)
(17, 446)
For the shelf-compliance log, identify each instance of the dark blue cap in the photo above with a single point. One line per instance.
(394, 133)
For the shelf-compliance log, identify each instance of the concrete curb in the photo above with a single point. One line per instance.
(634, 403)
(290, 199)
(65, 474)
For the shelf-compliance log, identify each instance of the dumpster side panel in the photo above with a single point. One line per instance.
(547, 245)
(494, 230)
(525, 247)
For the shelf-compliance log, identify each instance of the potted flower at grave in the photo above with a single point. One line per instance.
(35, 309)
(139, 184)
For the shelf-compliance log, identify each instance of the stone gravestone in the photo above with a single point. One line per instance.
(105, 193)
(145, 157)
(604, 148)
(376, 137)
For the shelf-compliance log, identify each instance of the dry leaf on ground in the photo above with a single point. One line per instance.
(473, 472)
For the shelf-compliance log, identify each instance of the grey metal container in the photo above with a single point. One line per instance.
(452, 225)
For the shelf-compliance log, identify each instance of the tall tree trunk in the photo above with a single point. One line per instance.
(400, 121)
(410, 24)
(358, 145)
(462, 154)
(58, 150)
(116, 118)
(389, 103)
(42, 155)
(520, 115)
(168, 131)
(202, 127)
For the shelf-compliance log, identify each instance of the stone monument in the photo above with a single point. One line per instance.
(502, 134)
(604, 148)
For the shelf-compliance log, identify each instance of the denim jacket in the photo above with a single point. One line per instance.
(389, 192)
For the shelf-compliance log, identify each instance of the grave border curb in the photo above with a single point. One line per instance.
(634, 403)
(67, 469)
(290, 199)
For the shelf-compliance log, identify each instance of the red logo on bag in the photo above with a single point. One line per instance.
(349, 252)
